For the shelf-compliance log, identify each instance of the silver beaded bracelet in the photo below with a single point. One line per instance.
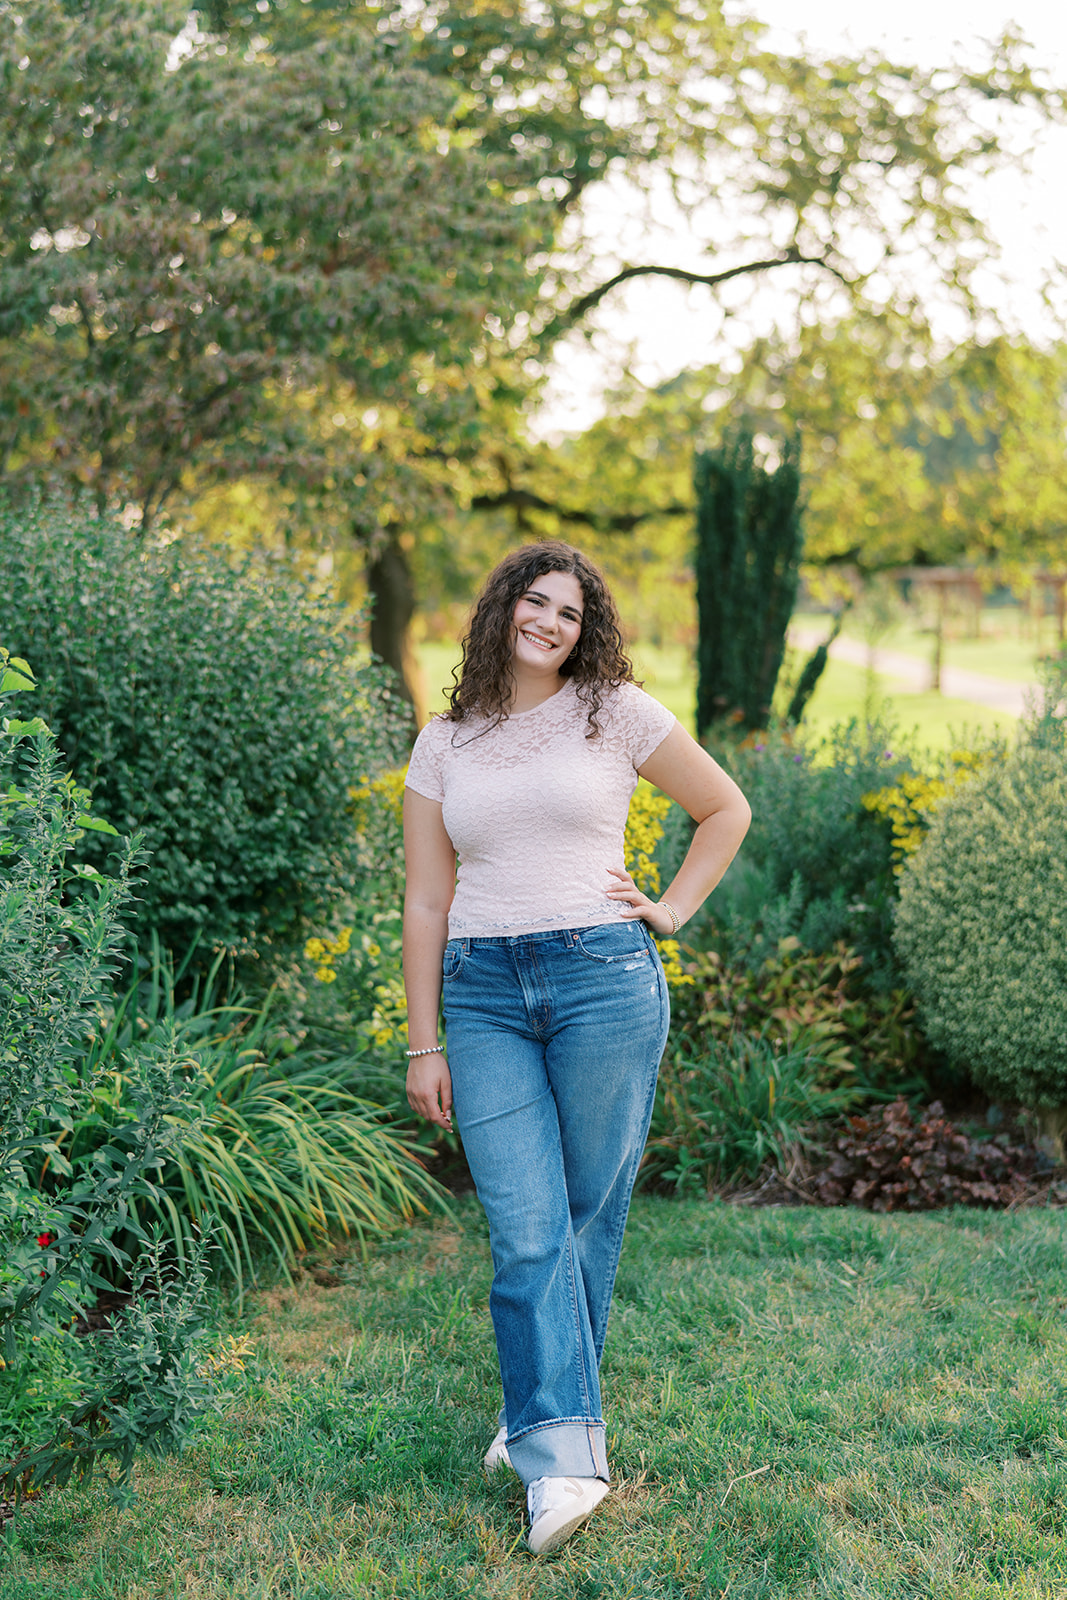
(434, 1049)
(676, 920)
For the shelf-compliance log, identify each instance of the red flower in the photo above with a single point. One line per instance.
(45, 1239)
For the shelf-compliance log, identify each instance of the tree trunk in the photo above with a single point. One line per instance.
(939, 642)
(1052, 1128)
(393, 596)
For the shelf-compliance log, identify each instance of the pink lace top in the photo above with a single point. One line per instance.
(536, 811)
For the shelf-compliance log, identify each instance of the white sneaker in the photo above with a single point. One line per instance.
(497, 1454)
(559, 1506)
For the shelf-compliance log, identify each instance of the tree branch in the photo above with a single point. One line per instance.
(792, 257)
(87, 321)
(228, 385)
(615, 522)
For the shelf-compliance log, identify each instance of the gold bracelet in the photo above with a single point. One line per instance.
(676, 921)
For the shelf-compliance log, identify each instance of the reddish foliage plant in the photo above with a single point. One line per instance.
(810, 1002)
(888, 1162)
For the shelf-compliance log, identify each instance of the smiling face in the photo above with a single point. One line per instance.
(548, 623)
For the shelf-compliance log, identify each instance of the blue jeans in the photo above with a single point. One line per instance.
(554, 1041)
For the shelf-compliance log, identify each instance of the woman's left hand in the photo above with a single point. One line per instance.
(638, 905)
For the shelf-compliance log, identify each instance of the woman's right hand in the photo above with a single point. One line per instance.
(430, 1089)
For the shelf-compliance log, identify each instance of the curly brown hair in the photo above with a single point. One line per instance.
(484, 678)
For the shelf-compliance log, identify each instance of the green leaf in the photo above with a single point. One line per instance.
(84, 870)
(97, 824)
(16, 676)
(18, 729)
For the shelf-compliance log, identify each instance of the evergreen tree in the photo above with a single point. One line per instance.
(747, 555)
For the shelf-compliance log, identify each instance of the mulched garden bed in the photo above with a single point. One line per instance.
(891, 1159)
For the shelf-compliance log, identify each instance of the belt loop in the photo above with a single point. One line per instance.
(466, 944)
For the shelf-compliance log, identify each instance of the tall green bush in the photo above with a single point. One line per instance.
(748, 541)
(982, 925)
(816, 864)
(218, 710)
(59, 949)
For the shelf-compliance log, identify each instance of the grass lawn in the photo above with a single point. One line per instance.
(935, 721)
(670, 675)
(800, 1403)
(1001, 648)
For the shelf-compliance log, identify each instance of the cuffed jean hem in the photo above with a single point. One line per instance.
(561, 1450)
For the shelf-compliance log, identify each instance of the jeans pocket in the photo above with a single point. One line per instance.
(613, 941)
(452, 960)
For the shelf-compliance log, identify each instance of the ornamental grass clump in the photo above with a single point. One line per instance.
(982, 927)
(280, 1149)
(727, 1117)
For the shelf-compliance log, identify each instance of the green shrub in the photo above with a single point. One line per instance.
(724, 1117)
(46, 1378)
(982, 927)
(350, 992)
(349, 986)
(144, 1384)
(216, 709)
(59, 949)
(816, 864)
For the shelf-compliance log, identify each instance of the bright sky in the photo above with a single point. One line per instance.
(662, 327)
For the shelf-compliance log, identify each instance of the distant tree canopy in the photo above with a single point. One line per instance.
(910, 456)
(919, 457)
(202, 255)
(324, 249)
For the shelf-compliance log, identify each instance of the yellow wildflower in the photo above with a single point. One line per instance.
(671, 956)
(644, 830)
(231, 1358)
(324, 953)
(388, 788)
(909, 804)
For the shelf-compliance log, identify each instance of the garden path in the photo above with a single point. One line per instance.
(908, 673)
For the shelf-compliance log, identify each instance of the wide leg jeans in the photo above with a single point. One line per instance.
(554, 1042)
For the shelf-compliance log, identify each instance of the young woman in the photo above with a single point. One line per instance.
(555, 1005)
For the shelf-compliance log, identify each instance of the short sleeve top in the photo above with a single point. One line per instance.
(535, 810)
